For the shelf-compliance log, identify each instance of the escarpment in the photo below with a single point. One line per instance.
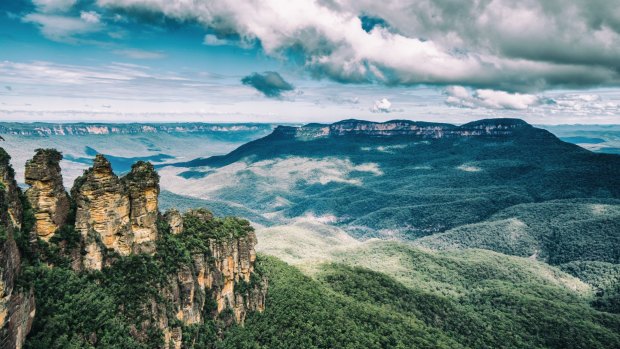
(47, 195)
(17, 306)
(192, 269)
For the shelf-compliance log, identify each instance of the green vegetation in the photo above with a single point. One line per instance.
(117, 307)
(219, 208)
(605, 277)
(558, 232)
(425, 186)
(348, 307)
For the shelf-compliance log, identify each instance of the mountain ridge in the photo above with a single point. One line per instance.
(494, 128)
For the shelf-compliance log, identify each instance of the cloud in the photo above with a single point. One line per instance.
(382, 106)
(483, 98)
(140, 54)
(213, 40)
(63, 28)
(522, 46)
(269, 83)
(90, 17)
(50, 6)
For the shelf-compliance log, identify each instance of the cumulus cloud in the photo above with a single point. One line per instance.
(90, 17)
(483, 98)
(500, 45)
(382, 106)
(269, 83)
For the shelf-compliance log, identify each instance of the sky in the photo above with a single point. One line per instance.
(548, 62)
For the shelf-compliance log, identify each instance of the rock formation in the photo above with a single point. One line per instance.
(116, 217)
(142, 185)
(11, 190)
(211, 285)
(17, 307)
(47, 195)
(116, 214)
(175, 221)
(102, 213)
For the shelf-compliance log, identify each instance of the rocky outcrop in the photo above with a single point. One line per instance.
(175, 221)
(47, 195)
(142, 185)
(116, 214)
(102, 213)
(12, 192)
(219, 280)
(213, 277)
(17, 307)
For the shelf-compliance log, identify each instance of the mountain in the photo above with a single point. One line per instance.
(100, 266)
(399, 179)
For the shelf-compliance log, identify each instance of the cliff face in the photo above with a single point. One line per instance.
(117, 214)
(17, 307)
(142, 185)
(102, 213)
(11, 190)
(46, 194)
(219, 280)
(81, 129)
(489, 128)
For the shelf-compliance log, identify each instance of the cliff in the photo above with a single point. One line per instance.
(487, 127)
(142, 186)
(47, 195)
(222, 272)
(102, 214)
(17, 307)
(11, 190)
(191, 269)
(40, 129)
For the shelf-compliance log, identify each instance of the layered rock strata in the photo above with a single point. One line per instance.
(47, 195)
(102, 213)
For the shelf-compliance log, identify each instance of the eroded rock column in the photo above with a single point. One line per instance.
(102, 213)
(46, 194)
(142, 185)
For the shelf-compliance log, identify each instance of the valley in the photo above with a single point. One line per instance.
(489, 234)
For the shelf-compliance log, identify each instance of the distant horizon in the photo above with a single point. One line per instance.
(284, 123)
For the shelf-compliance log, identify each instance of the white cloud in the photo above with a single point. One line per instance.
(491, 99)
(90, 17)
(382, 106)
(527, 45)
(62, 28)
(212, 40)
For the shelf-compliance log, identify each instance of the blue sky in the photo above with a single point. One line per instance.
(548, 62)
